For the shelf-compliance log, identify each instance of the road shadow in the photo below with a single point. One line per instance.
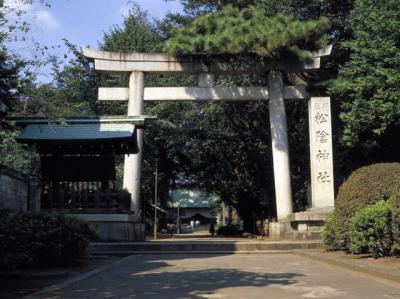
(170, 276)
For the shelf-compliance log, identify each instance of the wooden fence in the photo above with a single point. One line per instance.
(85, 201)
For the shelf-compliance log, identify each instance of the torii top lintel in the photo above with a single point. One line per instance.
(160, 63)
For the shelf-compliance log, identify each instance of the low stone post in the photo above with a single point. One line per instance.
(132, 165)
(280, 145)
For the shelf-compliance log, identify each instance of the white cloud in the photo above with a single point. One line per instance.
(15, 9)
(17, 5)
(46, 19)
(37, 15)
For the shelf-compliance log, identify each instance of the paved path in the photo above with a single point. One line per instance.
(224, 276)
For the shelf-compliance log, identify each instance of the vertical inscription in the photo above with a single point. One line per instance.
(321, 152)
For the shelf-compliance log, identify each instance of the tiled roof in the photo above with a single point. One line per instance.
(77, 128)
(76, 131)
(192, 198)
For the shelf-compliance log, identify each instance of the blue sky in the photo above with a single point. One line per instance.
(82, 22)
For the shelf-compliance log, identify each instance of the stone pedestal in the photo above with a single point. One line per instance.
(277, 230)
(298, 226)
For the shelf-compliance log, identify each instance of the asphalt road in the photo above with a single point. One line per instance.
(224, 276)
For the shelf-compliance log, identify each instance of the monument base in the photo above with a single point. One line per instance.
(115, 227)
(298, 226)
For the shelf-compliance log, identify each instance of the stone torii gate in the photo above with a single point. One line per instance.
(139, 64)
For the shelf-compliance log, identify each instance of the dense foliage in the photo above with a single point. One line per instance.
(368, 84)
(329, 234)
(16, 82)
(367, 185)
(38, 240)
(236, 31)
(10, 68)
(373, 229)
(370, 230)
(15, 155)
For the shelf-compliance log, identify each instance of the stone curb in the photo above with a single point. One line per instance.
(180, 242)
(124, 253)
(340, 262)
(73, 280)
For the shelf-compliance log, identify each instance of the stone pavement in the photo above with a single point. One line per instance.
(388, 269)
(222, 276)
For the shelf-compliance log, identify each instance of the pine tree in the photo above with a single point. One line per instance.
(249, 30)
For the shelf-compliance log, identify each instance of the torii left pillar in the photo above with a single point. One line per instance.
(280, 145)
(132, 165)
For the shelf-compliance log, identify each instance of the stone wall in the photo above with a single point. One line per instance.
(14, 189)
(115, 227)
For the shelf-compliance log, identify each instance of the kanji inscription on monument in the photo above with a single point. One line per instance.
(321, 152)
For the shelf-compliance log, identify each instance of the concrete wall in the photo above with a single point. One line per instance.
(14, 189)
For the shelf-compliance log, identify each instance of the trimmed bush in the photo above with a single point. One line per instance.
(370, 230)
(41, 240)
(329, 234)
(367, 185)
(230, 230)
(395, 225)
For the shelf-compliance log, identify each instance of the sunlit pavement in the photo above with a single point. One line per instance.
(225, 276)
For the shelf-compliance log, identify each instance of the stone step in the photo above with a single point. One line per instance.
(303, 236)
(126, 248)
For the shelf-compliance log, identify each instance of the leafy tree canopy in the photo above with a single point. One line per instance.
(368, 84)
(250, 30)
(17, 156)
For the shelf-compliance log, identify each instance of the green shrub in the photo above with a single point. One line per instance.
(39, 240)
(212, 229)
(230, 230)
(367, 185)
(370, 230)
(15, 240)
(329, 233)
(395, 225)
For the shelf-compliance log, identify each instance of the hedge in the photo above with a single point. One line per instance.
(28, 240)
(366, 186)
(230, 230)
(370, 230)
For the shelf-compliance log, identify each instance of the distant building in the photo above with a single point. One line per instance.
(194, 204)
